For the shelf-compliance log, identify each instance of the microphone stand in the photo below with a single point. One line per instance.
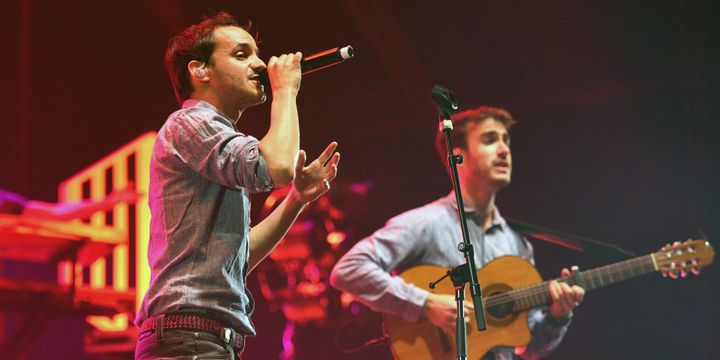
(460, 275)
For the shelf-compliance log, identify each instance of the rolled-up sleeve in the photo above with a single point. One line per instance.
(208, 145)
(364, 271)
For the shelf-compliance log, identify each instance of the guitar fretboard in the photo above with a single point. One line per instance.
(535, 295)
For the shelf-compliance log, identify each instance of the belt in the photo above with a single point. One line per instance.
(198, 323)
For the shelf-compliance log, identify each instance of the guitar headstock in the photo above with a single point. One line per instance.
(677, 259)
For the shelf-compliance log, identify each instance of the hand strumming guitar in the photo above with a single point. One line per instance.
(440, 309)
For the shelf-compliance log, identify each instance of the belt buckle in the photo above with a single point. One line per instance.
(228, 336)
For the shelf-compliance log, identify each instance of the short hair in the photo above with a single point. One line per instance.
(194, 43)
(461, 121)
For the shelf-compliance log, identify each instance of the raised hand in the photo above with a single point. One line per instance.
(313, 180)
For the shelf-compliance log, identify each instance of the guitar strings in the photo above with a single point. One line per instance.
(531, 292)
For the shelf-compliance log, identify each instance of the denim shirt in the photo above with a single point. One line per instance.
(429, 236)
(202, 171)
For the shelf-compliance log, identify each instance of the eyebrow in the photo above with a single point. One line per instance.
(500, 134)
(491, 132)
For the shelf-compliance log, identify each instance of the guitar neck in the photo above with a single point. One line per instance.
(535, 295)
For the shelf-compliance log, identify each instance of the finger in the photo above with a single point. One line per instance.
(300, 161)
(290, 60)
(331, 173)
(296, 58)
(565, 272)
(334, 160)
(322, 187)
(327, 153)
(553, 291)
(333, 168)
(558, 296)
(579, 293)
(569, 295)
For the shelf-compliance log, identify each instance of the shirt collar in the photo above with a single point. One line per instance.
(498, 220)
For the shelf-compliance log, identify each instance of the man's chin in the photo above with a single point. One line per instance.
(502, 181)
(256, 98)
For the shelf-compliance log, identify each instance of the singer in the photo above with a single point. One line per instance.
(203, 170)
(429, 235)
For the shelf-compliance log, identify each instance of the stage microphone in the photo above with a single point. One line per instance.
(315, 62)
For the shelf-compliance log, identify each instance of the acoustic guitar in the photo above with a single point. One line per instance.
(511, 286)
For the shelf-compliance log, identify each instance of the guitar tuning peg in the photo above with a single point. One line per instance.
(672, 273)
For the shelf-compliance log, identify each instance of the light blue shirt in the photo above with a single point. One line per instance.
(429, 235)
(202, 172)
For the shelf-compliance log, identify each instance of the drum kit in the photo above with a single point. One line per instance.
(295, 278)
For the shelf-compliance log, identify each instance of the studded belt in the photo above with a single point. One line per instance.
(197, 323)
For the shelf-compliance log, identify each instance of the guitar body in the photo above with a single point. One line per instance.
(511, 286)
(422, 340)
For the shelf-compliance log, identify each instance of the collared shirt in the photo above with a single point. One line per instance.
(202, 172)
(429, 235)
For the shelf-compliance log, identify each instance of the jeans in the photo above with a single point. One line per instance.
(181, 345)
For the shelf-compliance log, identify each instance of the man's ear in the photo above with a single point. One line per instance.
(458, 151)
(198, 70)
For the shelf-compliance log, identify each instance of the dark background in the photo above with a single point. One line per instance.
(617, 104)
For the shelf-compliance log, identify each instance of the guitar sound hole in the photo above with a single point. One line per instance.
(499, 305)
(501, 310)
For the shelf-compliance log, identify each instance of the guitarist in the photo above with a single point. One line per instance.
(428, 235)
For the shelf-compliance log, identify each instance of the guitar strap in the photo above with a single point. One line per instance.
(601, 249)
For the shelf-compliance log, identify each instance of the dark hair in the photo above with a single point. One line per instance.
(194, 43)
(463, 119)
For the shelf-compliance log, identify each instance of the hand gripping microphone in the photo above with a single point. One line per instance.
(315, 62)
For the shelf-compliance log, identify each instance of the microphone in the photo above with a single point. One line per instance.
(315, 62)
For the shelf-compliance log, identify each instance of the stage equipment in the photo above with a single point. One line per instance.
(102, 270)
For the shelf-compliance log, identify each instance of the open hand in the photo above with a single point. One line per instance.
(313, 180)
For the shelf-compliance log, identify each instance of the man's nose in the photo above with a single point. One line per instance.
(503, 149)
(258, 65)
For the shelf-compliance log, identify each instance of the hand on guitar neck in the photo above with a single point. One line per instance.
(564, 297)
